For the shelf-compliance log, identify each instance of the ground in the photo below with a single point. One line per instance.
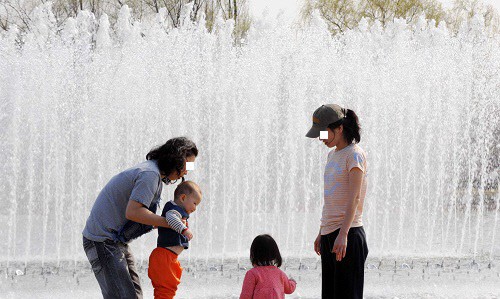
(385, 278)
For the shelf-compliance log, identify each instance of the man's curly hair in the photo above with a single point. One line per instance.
(172, 155)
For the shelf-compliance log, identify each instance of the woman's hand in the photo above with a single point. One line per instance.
(340, 246)
(317, 245)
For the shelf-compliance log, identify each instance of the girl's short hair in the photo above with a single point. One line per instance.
(265, 252)
(351, 125)
(172, 155)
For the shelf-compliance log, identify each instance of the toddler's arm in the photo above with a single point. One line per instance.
(174, 220)
(289, 284)
(248, 286)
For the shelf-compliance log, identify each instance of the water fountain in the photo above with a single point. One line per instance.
(80, 105)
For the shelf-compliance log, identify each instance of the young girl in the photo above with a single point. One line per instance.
(266, 280)
(341, 241)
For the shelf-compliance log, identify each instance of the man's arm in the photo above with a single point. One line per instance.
(139, 213)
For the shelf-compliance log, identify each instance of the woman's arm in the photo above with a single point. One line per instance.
(317, 243)
(355, 180)
(248, 286)
(137, 212)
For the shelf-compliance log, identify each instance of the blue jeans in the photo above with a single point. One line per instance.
(114, 267)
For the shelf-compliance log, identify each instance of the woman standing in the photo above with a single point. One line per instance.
(126, 209)
(341, 241)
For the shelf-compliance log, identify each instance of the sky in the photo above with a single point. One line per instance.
(291, 8)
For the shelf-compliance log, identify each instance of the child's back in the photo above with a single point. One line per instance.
(266, 282)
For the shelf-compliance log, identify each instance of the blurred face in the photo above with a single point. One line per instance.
(191, 201)
(175, 176)
(333, 138)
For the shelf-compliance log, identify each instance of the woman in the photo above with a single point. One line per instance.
(125, 209)
(341, 240)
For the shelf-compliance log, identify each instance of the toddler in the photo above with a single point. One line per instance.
(265, 280)
(164, 268)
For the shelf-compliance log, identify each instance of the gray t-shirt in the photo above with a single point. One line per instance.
(141, 183)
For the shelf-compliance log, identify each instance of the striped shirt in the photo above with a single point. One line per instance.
(174, 220)
(172, 237)
(336, 194)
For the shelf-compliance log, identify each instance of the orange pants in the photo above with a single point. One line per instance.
(165, 273)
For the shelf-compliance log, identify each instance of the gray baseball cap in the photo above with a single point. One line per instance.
(323, 116)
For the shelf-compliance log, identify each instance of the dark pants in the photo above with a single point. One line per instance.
(344, 279)
(113, 266)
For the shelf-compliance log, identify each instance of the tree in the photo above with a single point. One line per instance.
(341, 15)
(465, 10)
(18, 12)
(409, 10)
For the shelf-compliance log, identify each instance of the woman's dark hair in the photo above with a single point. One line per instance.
(351, 127)
(264, 252)
(172, 155)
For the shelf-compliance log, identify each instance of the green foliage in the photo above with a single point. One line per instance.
(341, 15)
(464, 10)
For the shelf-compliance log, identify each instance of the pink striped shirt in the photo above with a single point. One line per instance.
(337, 169)
(266, 282)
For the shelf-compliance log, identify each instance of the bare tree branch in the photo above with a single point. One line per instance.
(222, 8)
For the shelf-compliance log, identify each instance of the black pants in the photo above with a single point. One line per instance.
(344, 279)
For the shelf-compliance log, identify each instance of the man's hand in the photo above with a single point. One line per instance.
(188, 234)
(137, 212)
